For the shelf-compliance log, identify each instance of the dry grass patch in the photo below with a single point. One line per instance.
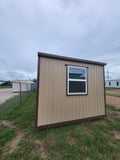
(6, 123)
(12, 144)
(110, 114)
(71, 140)
(40, 148)
(116, 134)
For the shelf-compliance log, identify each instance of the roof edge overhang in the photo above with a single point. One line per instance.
(41, 54)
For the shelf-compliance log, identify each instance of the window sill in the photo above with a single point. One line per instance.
(77, 94)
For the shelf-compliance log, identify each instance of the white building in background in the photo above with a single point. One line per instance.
(23, 85)
(112, 83)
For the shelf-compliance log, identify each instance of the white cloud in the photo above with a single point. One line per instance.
(83, 29)
(113, 64)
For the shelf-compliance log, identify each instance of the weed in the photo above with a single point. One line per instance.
(108, 119)
(115, 125)
(100, 126)
(115, 113)
(5, 135)
(112, 107)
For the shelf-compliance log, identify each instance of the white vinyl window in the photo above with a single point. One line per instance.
(76, 80)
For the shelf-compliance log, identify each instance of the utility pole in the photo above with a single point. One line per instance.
(107, 74)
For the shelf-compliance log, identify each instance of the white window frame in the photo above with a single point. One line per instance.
(82, 80)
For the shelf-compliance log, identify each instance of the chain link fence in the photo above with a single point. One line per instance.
(13, 93)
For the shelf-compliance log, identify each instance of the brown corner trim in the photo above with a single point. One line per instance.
(104, 91)
(38, 78)
(69, 122)
(41, 54)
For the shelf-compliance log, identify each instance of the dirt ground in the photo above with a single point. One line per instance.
(114, 91)
(5, 94)
(115, 101)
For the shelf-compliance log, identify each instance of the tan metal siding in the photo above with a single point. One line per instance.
(55, 106)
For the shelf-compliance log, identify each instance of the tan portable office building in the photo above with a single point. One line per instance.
(68, 90)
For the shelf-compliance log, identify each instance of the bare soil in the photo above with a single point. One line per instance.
(6, 94)
(11, 145)
(116, 134)
(6, 123)
(115, 101)
(39, 147)
(114, 91)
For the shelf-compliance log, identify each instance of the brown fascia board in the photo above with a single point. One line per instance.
(68, 122)
(41, 54)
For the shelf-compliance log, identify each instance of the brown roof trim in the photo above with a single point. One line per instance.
(41, 54)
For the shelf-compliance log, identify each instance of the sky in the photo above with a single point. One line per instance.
(85, 29)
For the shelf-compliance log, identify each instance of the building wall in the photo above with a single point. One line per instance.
(25, 85)
(112, 83)
(55, 106)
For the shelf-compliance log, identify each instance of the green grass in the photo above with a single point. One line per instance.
(5, 135)
(115, 125)
(114, 95)
(12, 102)
(90, 140)
(3, 87)
(112, 107)
(108, 119)
(110, 88)
(24, 151)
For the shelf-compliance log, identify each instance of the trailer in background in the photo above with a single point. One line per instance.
(112, 83)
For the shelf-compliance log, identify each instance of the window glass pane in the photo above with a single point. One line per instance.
(77, 73)
(77, 86)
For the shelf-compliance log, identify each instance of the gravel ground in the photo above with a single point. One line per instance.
(5, 94)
